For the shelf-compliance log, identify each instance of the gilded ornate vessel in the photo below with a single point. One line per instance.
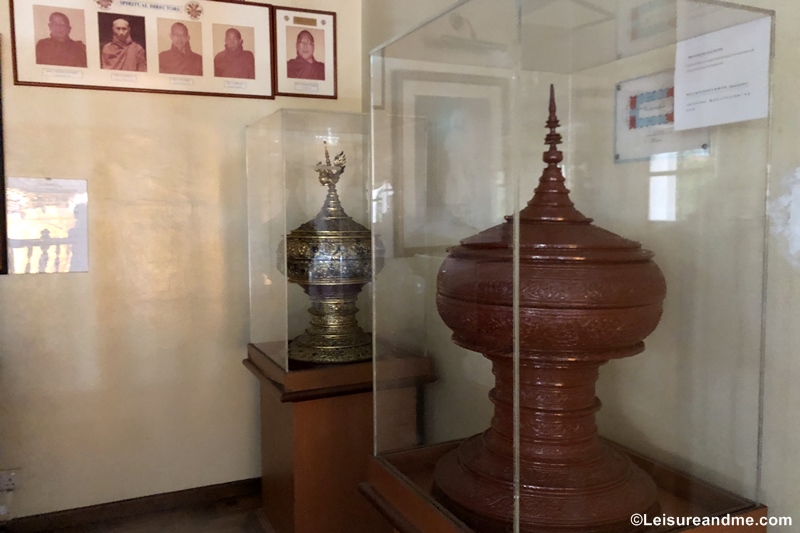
(585, 296)
(330, 257)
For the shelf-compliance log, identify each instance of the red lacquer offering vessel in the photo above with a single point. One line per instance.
(586, 296)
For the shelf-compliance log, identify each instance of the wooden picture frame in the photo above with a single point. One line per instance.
(3, 216)
(305, 53)
(219, 48)
(440, 160)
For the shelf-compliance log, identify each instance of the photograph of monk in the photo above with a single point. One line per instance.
(122, 42)
(57, 42)
(175, 42)
(309, 44)
(233, 61)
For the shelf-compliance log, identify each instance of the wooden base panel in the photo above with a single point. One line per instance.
(317, 439)
(400, 486)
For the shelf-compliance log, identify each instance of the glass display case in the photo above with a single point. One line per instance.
(535, 237)
(310, 347)
(309, 240)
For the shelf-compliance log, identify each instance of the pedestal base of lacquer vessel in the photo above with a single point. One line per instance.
(333, 336)
(399, 484)
(319, 350)
(596, 497)
(570, 481)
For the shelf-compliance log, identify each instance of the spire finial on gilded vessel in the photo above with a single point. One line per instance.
(329, 174)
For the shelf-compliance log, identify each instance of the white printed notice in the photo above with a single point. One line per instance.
(723, 77)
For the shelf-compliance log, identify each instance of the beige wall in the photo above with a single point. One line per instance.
(127, 381)
(780, 475)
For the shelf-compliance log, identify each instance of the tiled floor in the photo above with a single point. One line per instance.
(236, 515)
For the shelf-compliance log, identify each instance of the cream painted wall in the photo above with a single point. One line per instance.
(780, 475)
(127, 381)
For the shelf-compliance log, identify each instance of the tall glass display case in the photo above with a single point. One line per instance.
(310, 347)
(583, 264)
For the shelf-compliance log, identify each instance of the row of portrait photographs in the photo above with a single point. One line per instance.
(218, 48)
(60, 34)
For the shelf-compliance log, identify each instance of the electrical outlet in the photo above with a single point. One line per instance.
(8, 480)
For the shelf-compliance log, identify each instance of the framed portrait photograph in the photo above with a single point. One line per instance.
(219, 48)
(305, 52)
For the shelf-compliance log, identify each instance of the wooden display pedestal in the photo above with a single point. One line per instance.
(399, 485)
(317, 439)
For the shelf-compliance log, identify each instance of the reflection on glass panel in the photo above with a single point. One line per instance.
(567, 15)
(667, 162)
(662, 198)
(381, 202)
(453, 163)
(47, 225)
